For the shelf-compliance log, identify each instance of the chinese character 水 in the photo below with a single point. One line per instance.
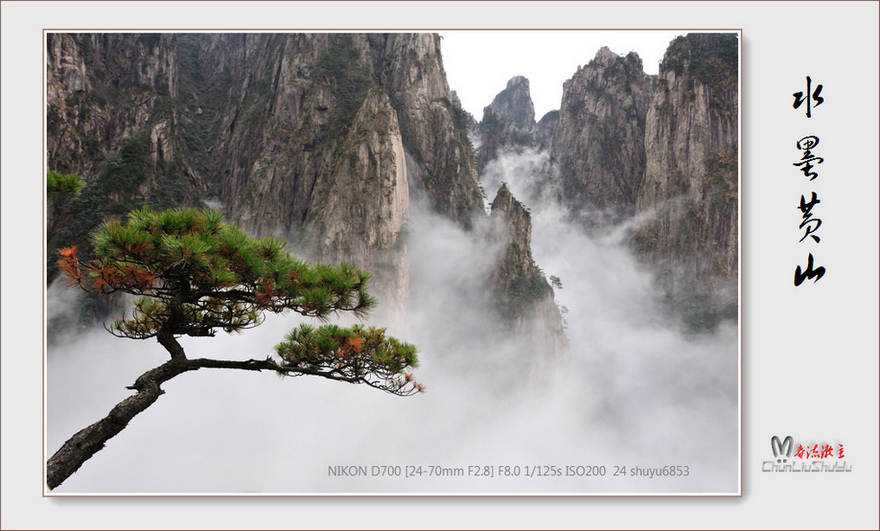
(802, 97)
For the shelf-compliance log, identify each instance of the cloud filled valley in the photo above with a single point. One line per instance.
(353, 147)
(636, 391)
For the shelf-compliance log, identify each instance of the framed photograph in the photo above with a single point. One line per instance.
(569, 278)
(572, 254)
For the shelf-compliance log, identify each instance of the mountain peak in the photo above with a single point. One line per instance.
(515, 102)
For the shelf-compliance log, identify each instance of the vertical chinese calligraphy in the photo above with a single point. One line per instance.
(806, 144)
(807, 164)
(809, 273)
(809, 223)
(805, 97)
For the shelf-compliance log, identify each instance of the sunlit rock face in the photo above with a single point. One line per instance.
(434, 128)
(329, 135)
(363, 209)
(598, 140)
(688, 202)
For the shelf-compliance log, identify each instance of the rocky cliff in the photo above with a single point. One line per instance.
(113, 119)
(547, 127)
(508, 123)
(291, 134)
(435, 129)
(310, 147)
(525, 298)
(323, 139)
(598, 141)
(688, 201)
(663, 150)
(103, 89)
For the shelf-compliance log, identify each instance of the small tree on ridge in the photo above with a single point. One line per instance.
(195, 275)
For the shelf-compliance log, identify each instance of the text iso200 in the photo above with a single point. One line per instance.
(584, 471)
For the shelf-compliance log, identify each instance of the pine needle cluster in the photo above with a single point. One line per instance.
(195, 274)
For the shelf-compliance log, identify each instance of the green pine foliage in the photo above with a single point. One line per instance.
(56, 183)
(195, 275)
(210, 272)
(353, 353)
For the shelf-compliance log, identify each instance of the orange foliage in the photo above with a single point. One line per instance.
(267, 296)
(355, 343)
(137, 250)
(109, 276)
(70, 265)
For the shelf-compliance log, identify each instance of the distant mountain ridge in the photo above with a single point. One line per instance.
(662, 151)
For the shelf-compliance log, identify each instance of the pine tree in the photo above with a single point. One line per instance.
(56, 183)
(195, 275)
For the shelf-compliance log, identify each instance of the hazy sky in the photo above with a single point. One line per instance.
(479, 63)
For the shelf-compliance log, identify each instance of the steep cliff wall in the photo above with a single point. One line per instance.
(323, 139)
(113, 119)
(524, 297)
(440, 159)
(598, 140)
(361, 214)
(547, 127)
(266, 126)
(689, 196)
(283, 124)
(327, 129)
(104, 88)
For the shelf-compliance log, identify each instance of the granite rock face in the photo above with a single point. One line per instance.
(324, 139)
(434, 127)
(102, 89)
(598, 140)
(525, 299)
(510, 140)
(113, 119)
(547, 126)
(508, 123)
(664, 152)
(688, 202)
(282, 131)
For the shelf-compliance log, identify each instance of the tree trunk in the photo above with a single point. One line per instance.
(85, 443)
(88, 441)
